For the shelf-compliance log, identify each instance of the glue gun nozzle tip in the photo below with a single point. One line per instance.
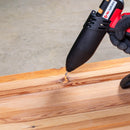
(66, 77)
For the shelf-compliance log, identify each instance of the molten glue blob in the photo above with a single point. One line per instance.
(66, 79)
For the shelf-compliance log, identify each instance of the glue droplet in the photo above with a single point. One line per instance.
(66, 78)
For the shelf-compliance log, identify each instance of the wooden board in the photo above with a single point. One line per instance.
(92, 99)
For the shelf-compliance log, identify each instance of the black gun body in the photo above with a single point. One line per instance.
(92, 34)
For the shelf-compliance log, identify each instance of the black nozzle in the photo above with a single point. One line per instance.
(87, 42)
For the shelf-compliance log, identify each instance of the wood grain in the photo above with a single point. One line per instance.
(91, 100)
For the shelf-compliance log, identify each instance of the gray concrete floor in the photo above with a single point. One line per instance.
(38, 34)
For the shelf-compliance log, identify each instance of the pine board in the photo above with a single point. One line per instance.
(92, 99)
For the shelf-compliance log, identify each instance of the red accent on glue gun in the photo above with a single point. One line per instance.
(116, 17)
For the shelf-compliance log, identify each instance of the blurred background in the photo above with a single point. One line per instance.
(38, 34)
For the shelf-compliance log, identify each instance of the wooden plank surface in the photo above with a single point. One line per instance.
(43, 101)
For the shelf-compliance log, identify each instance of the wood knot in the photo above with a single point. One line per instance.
(33, 126)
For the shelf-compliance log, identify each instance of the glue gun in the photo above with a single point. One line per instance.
(94, 29)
